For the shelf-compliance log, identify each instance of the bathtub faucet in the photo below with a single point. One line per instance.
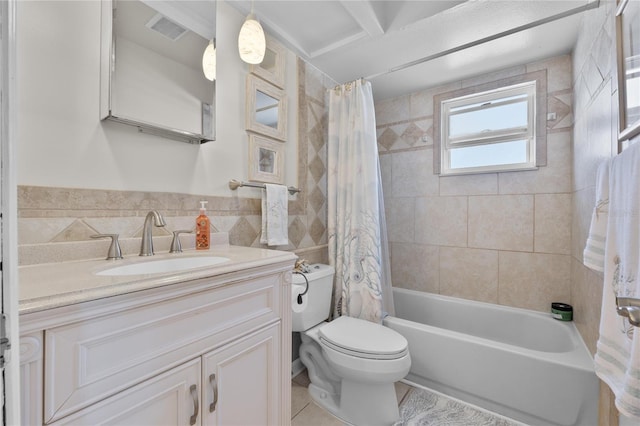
(629, 308)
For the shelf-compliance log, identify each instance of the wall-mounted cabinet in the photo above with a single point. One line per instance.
(151, 67)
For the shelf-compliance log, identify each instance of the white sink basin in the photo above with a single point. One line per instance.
(162, 266)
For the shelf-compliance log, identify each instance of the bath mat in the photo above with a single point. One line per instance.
(421, 407)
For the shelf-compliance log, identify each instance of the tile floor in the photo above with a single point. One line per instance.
(305, 413)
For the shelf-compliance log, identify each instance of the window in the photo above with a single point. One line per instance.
(489, 131)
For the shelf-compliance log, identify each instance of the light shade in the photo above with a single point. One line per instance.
(251, 41)
(209, 61)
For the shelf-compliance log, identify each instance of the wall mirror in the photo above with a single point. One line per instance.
(266, 111)
(628, 54)
(272, 66)
(151, 68)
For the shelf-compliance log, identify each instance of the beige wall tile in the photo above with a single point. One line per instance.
(441, 221)
(552, 223)
(494, 76)
(559, 72)
(401, 221)
(533, 280)
(77, 231)
(392, 110)
(36, 230)
(421, 103)
(586, 298)
(594, 142)
(412, 174)
(386, 164)
(555, 177)
(469, 273)
(127, 226)
(415, 266)
(480, 184)
(503, 222)
(582, 207)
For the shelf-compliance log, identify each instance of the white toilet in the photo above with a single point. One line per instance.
(352, 363)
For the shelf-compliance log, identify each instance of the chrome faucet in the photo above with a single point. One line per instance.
(146, 248)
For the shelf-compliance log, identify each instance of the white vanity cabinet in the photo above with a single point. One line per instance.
(170, 399)
(210, 351)
(240, 381)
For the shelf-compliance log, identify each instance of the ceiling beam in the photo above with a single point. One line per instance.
(363, 13)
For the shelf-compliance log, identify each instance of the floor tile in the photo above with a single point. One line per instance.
(312, 415)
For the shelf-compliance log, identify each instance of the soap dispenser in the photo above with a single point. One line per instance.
(202, 228)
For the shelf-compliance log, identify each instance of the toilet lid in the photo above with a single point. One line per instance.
(363, 339)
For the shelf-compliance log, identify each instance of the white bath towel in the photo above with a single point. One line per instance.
(617, 360)
(275, 215)
(594, 249)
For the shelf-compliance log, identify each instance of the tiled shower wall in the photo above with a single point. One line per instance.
(56, 224)
(498, 237)
(595, 139)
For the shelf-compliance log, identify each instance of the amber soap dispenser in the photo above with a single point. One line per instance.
(202, 228)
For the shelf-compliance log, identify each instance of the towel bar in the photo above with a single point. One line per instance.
(235, 184)
(630, 308)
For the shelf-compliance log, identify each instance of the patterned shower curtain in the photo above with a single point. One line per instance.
(358, 247)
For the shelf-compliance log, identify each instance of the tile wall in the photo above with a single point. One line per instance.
(55, 224)
(497, 237)
(595, 139)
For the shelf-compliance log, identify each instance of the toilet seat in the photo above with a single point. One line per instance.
(363, 339)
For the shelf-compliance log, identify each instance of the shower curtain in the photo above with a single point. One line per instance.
(358, 247)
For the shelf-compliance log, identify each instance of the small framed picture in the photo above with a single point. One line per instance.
(272, 66)
(266, 109)
(266, 159)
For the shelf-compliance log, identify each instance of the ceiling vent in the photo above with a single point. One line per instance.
(166, 27)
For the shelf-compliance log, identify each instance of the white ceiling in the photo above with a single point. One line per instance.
(404, 46)
(196, 16)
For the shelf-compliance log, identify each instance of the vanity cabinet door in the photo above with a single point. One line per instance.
(241, 381)
(94, 359)
(31, 383)
(172, 398)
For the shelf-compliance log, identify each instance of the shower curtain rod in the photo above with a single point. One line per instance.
(588, 6)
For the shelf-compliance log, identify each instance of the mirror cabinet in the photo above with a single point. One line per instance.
(151, 67)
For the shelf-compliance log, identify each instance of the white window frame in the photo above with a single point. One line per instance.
(489, 98)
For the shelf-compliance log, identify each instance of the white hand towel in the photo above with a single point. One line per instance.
(594, 249)
(275, 215)
(617, 360)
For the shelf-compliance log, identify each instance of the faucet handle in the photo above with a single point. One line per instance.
(114, 248)
(176, 247)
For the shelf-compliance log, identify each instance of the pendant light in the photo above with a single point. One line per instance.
(209, 61)
(251, 40)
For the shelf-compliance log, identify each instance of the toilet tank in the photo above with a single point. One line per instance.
(318, 298)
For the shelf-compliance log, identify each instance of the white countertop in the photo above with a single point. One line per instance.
(51, 285)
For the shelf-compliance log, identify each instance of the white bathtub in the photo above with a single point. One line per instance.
(519, 363)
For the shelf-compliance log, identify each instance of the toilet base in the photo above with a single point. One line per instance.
(360, 404)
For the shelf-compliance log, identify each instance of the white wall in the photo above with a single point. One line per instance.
(62, 142)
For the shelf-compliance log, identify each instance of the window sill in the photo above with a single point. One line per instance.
(485, 171)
